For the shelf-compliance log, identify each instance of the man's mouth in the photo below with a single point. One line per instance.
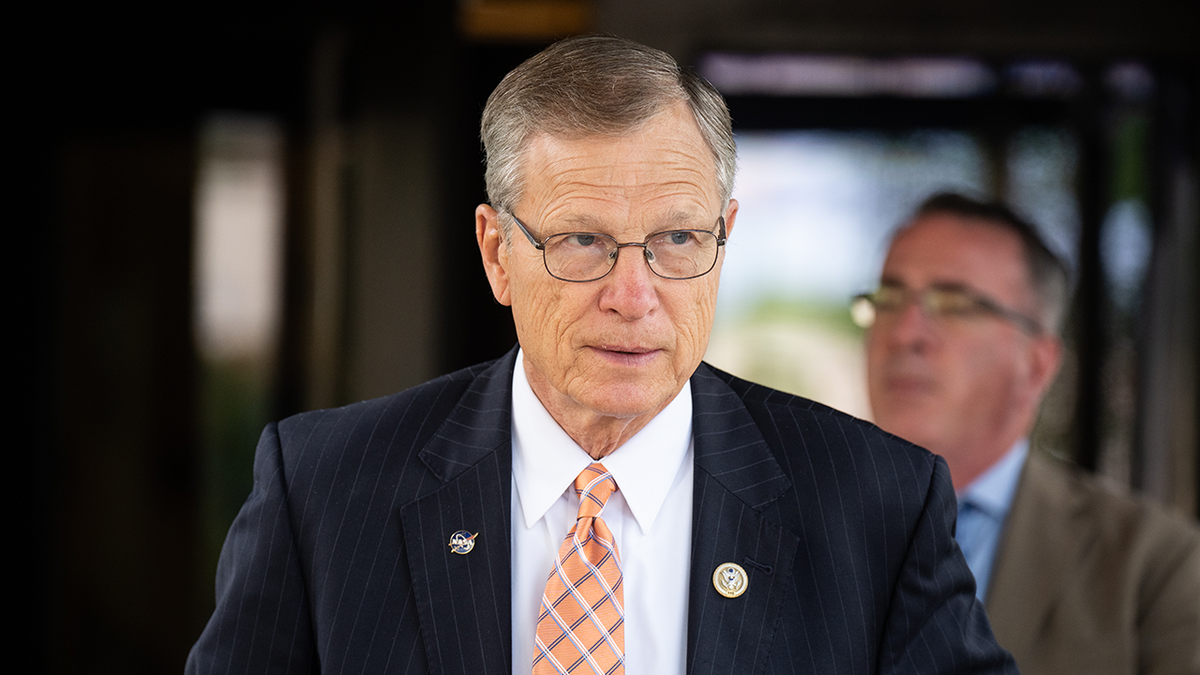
(909, 385)
(627, 354)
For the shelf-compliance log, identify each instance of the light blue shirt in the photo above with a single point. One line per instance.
(982, 508)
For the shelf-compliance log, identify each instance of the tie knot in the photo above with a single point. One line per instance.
(594, 485)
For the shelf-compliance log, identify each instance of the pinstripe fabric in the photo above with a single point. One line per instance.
(845, 533)
(582, 622)
(339, 560)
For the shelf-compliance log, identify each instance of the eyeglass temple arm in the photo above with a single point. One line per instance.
(1028, 324)
(525, 231)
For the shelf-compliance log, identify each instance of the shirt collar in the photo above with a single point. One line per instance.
(546, 460)
(992, 491)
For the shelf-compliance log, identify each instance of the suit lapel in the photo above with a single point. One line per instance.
(464, 599)
(736, 477)
(1043, 542)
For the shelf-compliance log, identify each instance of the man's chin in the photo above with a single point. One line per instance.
(899, 421)
(629, 399)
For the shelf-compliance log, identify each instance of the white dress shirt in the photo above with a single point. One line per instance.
(650, 517)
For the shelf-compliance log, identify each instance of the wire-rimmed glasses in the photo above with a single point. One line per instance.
(588, 256)
(938, 302)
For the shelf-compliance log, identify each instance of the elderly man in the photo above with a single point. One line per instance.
(598, 500)
(962, 348)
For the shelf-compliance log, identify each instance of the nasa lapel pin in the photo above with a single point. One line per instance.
(730, 580)
(462, 542)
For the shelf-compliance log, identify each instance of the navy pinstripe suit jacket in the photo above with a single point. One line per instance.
(339, 560)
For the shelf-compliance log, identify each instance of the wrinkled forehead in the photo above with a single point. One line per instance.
(666, 160)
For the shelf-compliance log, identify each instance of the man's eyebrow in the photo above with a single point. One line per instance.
(683, 220)
(939, 285)
(952, 286)
(676, 218)
(578, 222)
(588, 222)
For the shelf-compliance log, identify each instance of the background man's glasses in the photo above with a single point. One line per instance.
(939, 303)
(588, 256)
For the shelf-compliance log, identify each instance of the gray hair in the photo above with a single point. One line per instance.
(594, 85)
(1049, 276)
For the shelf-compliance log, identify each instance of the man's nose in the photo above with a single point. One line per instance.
(909, 325)
(630, 286)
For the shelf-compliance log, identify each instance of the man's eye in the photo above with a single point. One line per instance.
(582, 239)
(679, 238)
(952, 303)
(888, 299)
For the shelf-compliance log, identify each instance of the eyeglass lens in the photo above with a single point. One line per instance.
(677, 254)
(938, 303)
(935, 302)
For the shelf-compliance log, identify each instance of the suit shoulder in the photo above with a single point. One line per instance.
(1118, 550)
(1122, 517)
(1101, 493)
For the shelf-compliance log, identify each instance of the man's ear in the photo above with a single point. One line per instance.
(494, 251)
(730, 216)
(1046, 357)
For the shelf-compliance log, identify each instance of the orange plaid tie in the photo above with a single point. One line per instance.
(583, 609)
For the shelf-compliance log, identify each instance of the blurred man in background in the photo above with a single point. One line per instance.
(962, 345)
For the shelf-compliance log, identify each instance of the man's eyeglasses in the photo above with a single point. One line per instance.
(942, 303)
(588, 256)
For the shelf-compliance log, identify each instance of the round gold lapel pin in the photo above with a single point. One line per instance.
(730, 579)
(462, 542)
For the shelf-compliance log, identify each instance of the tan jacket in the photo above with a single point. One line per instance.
(1088, 581)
